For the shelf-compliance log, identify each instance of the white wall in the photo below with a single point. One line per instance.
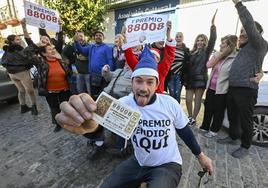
(109, 25)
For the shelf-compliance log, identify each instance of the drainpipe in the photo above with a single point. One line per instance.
(9, 8)
(14, 10)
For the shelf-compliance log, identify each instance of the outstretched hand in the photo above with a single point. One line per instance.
(213, 18)
(76, 114)
(106, 68)
(23, 22)
(169, 25)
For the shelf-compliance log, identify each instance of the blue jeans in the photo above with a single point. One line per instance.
(72, 82)
(130, 174)
(83, 83)
(174, 87)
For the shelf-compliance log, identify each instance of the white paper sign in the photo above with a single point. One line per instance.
(146, 29)
(115, 116)
(42, 17)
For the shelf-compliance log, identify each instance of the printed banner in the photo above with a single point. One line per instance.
(115, 116)
(42, 17)
(146, 29)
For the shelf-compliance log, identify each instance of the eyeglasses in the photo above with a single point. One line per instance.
(203, 178)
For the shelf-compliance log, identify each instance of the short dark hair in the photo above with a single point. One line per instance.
(98, 32)
(10, 39)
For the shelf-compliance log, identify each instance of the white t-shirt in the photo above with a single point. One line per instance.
(154, 138)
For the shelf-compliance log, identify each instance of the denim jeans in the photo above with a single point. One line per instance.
(72, 82)
(83, 83)
(174, 86)
(130, 174)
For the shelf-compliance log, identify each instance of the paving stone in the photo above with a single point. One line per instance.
(232, 162)
(234, 174)
(235, 184)
(221, 177)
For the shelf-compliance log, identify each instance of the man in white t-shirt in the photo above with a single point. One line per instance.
(157, 158)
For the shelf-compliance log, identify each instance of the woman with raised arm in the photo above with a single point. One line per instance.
(53, 80)
(197, 77)
(18, 62)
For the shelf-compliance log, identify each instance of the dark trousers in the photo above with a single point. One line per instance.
(96, 136)
(129, 174)
(215, 105)
(96, 90)
(54, 100)
(240, 106)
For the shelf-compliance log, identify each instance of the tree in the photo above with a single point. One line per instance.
(83, 15)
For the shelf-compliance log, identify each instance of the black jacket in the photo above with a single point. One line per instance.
(16, 59)
(196, 70)
(43, 69)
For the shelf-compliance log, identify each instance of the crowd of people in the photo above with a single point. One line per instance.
(148, 78)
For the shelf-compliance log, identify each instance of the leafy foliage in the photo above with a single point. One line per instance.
(83, 15)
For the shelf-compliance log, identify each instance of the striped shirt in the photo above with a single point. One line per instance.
(180, 58)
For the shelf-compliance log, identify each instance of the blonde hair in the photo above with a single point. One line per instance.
(231, 41)
(120, 37)
(203, 36)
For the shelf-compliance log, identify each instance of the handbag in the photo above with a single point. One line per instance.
(95, 80)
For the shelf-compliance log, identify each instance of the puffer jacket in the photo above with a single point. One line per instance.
(16, 59)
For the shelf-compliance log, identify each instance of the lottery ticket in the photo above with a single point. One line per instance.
(115, 116)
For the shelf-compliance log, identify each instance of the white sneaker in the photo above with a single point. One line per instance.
(191, 122)
(203, 130)
(211, 134)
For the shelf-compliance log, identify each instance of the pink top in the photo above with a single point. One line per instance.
(215, 74)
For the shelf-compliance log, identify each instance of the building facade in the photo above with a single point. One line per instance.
(119, 11)
(11, 12)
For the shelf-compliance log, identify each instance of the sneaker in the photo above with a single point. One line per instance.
(191, 122)
(203, 130)
(57, 129)
(96, 152)
(210, 134)
(240, 153)
(34, 110)
(228, 140)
